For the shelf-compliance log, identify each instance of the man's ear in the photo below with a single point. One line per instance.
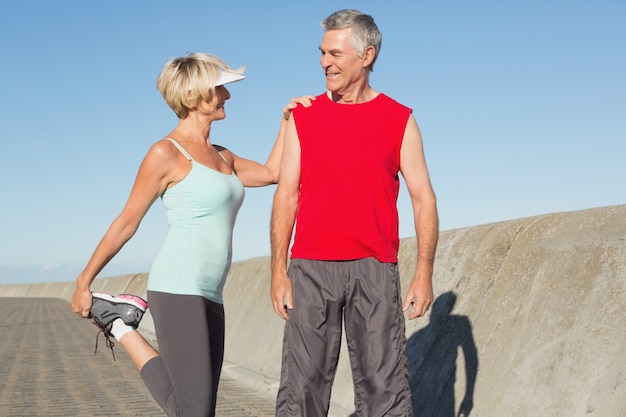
(368, 56)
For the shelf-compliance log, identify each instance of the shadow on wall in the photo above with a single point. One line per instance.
(432, 355)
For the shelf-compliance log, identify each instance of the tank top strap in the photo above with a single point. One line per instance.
(180, 148)
(222, 156)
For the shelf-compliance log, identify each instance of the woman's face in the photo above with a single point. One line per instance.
(215, 107)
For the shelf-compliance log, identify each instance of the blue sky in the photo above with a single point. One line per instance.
(522, 106)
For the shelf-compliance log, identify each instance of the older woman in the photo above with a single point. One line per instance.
(202, 188)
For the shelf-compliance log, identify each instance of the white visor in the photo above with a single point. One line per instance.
(229, 77)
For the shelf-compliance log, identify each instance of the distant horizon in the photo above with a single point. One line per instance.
(47, 281)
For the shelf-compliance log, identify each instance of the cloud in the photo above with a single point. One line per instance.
(46, 268)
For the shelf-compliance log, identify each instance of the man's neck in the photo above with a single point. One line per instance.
(354, 96)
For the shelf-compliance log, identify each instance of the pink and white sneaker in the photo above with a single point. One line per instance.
(106, 308)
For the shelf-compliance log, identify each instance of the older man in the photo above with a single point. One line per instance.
(339, 186)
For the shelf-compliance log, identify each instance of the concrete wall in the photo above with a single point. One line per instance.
(529, 320)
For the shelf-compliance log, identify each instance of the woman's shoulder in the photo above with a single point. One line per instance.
(166, 146)
(162, 151)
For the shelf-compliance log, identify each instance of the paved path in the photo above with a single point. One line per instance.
(48, 368)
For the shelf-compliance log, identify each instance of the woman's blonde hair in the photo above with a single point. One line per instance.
(185, 81)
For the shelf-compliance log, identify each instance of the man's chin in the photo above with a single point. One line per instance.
(332, 86)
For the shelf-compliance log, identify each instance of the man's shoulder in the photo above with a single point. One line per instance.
(316, 105)
(392, 102)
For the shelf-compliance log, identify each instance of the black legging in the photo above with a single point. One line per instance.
(190, 334)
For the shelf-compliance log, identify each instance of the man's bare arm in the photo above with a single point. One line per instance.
(283, 220)
(415, 172)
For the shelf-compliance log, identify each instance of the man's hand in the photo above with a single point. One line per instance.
(419, 296)
(282, 294)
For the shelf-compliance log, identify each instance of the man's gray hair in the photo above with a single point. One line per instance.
(364, 31)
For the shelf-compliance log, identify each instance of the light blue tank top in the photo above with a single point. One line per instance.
(196, 255)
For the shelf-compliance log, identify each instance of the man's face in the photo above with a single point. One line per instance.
(342, 66)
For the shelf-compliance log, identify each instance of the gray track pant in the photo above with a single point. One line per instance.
(366, 294)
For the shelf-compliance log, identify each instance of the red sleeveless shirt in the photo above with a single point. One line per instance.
(350, 161)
